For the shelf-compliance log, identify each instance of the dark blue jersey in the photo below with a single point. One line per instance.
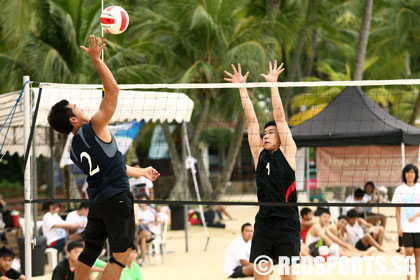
(101, 162)
(276, 182)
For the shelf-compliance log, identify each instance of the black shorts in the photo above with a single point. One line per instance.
(314, 250)
(411, 239)
(275, 237)
(237, 272)
(360, 246)
(113, 219)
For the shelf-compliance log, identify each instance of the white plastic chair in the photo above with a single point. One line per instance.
(158, 245)
(52, 255)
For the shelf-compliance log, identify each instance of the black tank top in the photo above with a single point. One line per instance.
(276, 182)
(101, 162)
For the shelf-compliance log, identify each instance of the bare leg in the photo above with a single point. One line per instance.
(82, 271)
(112, 270)
(349, 253)
(222, 210)
(367, 240)
(288, 277)
(383, 220)
(264, 267)
(409, 251)
(417, 256)
(248, 270)
(378, 234)
(144, 236)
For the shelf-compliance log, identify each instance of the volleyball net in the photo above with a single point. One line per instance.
(348, 133)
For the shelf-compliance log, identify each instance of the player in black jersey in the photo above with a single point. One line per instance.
(277, 229)
(95, 152)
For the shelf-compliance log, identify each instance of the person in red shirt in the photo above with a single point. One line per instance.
(306, 222)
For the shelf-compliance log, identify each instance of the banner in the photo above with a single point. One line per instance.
(124, 135)
(355, 165)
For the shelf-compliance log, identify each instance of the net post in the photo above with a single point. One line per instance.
(27, 182)
(184, 158)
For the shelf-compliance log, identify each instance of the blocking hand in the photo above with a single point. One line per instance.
(273, 72)
(236, 77)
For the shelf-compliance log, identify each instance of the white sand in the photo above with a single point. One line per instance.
(206, 265)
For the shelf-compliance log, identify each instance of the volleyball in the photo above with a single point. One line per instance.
(114, 20)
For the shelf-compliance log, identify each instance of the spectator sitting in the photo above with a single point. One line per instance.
(237, 254)
(306, 222)
(5, 219)
(141, 185)
(65, 269)
(78, 216)
(212, 218)
(357, 197)
(372, 195)
(6, 270)
(316, 236)
(147, 216)
(53, 227)
(363, 241)
(339, 231)
(132, 269)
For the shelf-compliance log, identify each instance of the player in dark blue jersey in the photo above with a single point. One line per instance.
(95, 152)
(277, 229)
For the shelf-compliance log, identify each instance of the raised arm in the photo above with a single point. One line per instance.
(108, 105)
(287, 144)
(254, 138)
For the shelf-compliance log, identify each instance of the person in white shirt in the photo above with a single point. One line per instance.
(237, 255)
(53, 226)
(139, 185)
(357, 197)
(78, 216)
(408, 218)
(358, 238)
(372, 195)
(147, 218)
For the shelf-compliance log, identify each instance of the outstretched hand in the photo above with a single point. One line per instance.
(151, 173)
(94, 50)
(273, 72)
(236, 77)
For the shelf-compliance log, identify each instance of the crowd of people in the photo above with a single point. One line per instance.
(357, 231)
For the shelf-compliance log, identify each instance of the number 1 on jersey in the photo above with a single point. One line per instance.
(87, 156)
(268, 168)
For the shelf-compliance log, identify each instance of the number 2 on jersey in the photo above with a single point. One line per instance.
(87, 156)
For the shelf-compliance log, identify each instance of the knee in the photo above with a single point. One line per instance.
(90, 253)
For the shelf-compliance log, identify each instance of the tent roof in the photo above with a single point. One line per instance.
(352, 118)
(132, 105)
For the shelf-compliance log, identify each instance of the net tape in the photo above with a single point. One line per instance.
(242, 85)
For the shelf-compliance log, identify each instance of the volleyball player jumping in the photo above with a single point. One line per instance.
(94, 150)
(277, 229)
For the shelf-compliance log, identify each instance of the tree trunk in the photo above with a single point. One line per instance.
(178, 189)
(416, 110)
(272, 6)
(233, 151)
(291, 74)
(176, 160)
(201, 123)
(204, 176)
(363, 41)
(407, 64)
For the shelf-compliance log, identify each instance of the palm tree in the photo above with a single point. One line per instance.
(203, 38)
